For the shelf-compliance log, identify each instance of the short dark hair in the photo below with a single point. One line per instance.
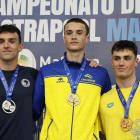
(78, 20)
(11, 29)
(125, 44)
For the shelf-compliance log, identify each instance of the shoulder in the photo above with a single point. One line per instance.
(98, 72)
(31, 71)
(54, 65)
(101, 70)
(97, 69)
(109, 94)
(52, 69)
(108, 100)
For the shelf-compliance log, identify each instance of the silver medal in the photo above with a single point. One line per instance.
(8, 106)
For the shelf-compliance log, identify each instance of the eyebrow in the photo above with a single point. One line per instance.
(76, 30)
(80, 30)
(8, 39)
(123, 56)
(12, 39)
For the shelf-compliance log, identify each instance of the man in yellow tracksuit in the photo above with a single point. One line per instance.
(70, 89)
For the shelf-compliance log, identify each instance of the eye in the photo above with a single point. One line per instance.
(127, 58)
(116, 58)
(79, 33)
(1, 41)
(12, 41)
(68, 33)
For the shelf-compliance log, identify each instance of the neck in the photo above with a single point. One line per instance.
(125, 83)
(75, 56)
(7, 65)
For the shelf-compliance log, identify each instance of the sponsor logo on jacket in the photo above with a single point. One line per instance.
(88, 78)
(60, 80)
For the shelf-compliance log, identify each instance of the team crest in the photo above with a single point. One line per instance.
(25, 82)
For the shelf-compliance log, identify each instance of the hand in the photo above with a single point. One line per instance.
(94, 63)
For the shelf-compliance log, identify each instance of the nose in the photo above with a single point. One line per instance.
(6, 45)
(74, 36)
(121, 63)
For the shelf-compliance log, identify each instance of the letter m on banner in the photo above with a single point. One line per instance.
(119, 31)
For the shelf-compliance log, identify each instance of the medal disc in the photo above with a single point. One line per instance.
(76, 101)
(73, 99)
(126, 124)
(8, 106)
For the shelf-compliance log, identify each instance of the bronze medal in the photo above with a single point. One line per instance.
(126, 124)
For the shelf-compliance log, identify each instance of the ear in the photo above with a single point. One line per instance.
(136, 62)
(87, 39)
(21, 46)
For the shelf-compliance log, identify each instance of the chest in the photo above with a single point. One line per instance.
(113, 107)
(23, 87)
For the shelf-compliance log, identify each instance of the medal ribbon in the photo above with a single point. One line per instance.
(9, 90)
(72, 83)
(131, 96)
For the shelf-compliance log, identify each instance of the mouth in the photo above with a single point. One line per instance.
(7, 51)
(74, 42)
(121, 69)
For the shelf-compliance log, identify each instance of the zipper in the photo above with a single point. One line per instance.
(48, 128)
(72, 122)
(73, 108)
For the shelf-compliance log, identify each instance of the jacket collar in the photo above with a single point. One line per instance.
(70, 62)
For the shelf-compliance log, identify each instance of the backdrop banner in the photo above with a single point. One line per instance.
(41, 23)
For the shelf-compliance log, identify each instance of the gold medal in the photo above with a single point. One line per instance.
(126, 124)
(76, 101)
(73, 99)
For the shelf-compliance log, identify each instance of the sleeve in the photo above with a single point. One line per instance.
(106, 85)
(38, 97)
